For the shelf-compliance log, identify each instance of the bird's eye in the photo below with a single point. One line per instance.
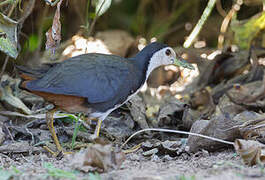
(168, 52)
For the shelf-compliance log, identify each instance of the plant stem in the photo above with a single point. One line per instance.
(95, 19)
(207, 11)
(12, 9)
(88, 11)
(4, 66)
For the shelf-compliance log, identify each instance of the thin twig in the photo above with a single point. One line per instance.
(4, 66)
(225, 24)
(27, 12)
(95, 19)
(207, 11)
(9, 133)
(7, 157)
(12, 8)
(220, 8)
(177, 132)
(88, 11)
(28, 131)
(28, 161)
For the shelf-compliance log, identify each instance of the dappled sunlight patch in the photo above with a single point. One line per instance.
(106, 42)
(186, 77)
(82, 45)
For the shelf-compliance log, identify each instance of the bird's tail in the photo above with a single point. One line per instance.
(27, 73)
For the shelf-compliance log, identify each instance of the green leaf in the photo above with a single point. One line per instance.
(95, 176)
(102, 6)
(246, 32)
(5, 175)
(8, 36)
(15, 170)
(59, 173)
(92, 15)
(33, 42)
(182, 177)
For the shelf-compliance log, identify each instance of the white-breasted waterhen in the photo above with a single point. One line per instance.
(96, 84)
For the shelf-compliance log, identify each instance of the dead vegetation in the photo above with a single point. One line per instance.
(224, 98)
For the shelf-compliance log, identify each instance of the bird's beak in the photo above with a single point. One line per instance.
(183, 63)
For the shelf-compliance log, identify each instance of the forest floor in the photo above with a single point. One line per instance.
(203, 165)
(230, 109)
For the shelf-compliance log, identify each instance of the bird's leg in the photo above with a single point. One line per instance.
(97, 130)
(49, 119)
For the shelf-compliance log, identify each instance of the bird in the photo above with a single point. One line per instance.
(96, 84)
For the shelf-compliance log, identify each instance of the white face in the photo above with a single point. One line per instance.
(164, 56)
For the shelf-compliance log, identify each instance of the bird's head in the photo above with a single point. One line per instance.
(161, 54)
(167, 56)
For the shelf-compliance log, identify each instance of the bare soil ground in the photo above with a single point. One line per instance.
(203, 165)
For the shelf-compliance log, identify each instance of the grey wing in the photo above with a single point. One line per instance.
(96, 78)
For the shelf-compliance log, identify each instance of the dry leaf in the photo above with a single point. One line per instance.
(253, 129)
(8, 36)
(171, 107)
(7, 94)
(97, 157)
(249, 95)
(171, 148)
(19, 147)
(151, 111)
(202, 101)
(218, 127)
(53, 35)
(137, 111)
(251, 152)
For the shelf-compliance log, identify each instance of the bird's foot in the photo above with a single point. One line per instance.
(60, 153)
(56, 154)
(95, 136)
(97, 130)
